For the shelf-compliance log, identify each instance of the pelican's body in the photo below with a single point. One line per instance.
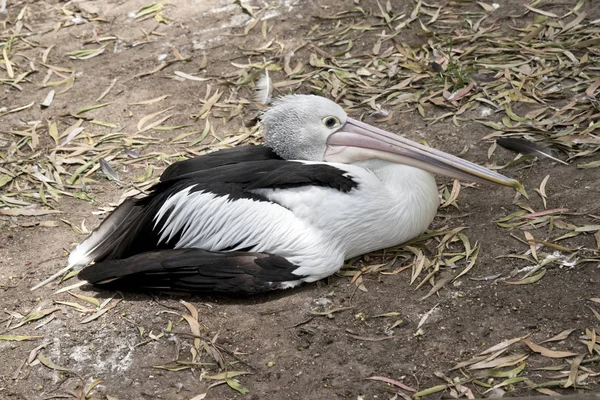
(315, 228)
(257, 218)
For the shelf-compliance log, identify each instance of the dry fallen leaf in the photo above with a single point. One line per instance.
(500, 362)
(561, 336)
(574, 369)
(392, 382)
(48, 363)
(547, 352)
(503, 345)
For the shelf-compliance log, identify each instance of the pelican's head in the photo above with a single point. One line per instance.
(313, 128)
(297, 127)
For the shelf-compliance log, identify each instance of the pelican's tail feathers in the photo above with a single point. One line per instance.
(195, 270)
(106, 239)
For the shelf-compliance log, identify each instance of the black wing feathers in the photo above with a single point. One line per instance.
(194, 270)
(219, 158)
(290, 174)
(237, 180)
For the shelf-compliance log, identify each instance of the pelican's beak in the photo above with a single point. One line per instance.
(356, 141)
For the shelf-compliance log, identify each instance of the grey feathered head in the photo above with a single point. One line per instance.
(296, 127)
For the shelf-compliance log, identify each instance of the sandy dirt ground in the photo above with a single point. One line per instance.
(367, 333)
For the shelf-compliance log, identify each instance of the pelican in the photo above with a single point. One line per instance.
(324, 188)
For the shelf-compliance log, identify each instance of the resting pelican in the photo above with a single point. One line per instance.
(323, 189)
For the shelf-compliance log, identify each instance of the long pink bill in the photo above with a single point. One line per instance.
(356, 141)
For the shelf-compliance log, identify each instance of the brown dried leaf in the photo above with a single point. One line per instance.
(542, 12)
(561, 336)
(500, 362)
(453, 194)
(7, 63)
(208, 105)
(473, 360)
(548, 392)
(190, 77)
(547, 352)
(574, 369)
(542, 190)
(503, 345)
(108, 89)
(26, 212)
(100, 312)
(592, 343)
(192, 320)
(391, 382)
(439, 284)
(532, 245)
(488, 8)
(150, 101)
(145, 123)
(161, 66)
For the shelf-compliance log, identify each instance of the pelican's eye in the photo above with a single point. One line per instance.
(331, 122)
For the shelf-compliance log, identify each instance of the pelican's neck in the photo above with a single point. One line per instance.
(404, 209)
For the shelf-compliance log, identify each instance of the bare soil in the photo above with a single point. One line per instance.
(290, 350)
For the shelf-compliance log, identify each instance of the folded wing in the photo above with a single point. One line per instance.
(195, 270)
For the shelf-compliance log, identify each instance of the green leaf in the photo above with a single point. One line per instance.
(225, 375)
(4, 179)
(34, 316)
(85, 54)
(431, 390)
(507, 374)
(531, 279)
(17, 338)
(234, 384)
(104, 124)
(150, 9)
(593, 164)
(507, 382)
(90, 108)
(48, 363)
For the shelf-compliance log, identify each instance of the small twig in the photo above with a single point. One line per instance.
(301, 323)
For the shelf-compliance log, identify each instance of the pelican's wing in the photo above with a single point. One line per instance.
(101, 243)
(195, 270)
(219, 158)
(216, 209)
